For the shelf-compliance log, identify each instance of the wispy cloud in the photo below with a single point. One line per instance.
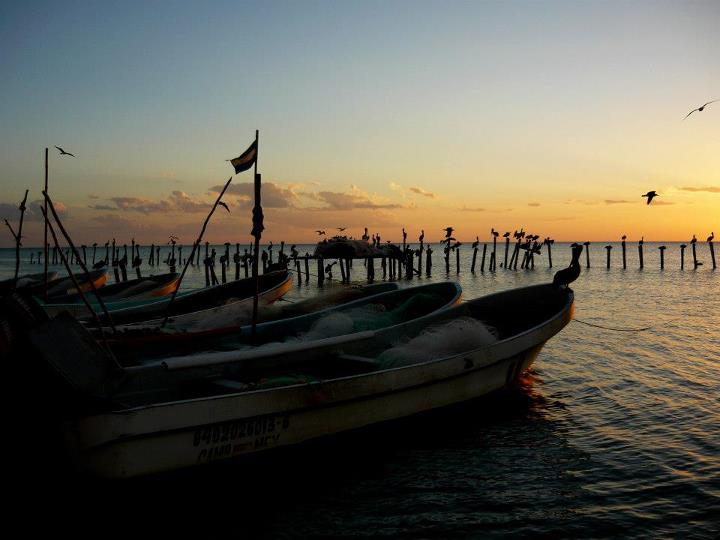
(708, 189)
(421, 191)
(11, 212)
(534, 204)
(468, 209)
(618, 201)
(177, 202)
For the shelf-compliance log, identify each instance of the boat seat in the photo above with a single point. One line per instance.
(367, 364)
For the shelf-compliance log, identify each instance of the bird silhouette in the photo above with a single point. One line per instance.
(225, 206)
(711, 237)
(701, 108)
(494, 232)
(694, 240)
(650, 196)
(320, 233)
(448, 231)
(422, 235)
(476, 243)
(64, 153)
(567, 275)
(642, 240)
(506, 235)
(341, 229)
(624, 236)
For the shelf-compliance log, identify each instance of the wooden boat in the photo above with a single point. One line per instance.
(273, 285)
(26, 281)
(64, 286)
(221, 330)
(146, 288)
(169, 415)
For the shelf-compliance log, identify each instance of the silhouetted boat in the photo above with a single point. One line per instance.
(26, 281)
(203, 408)
(222, 331)
(64, 285)
(146, 288)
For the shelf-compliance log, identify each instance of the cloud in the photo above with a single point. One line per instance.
(11, 212)
(93, 196)
(349, 201)
(421, 191)
(534, 204)
(177, 202)
(708, 189)
(661, 203)
(273, 195)
(618, 201)
(466, 209)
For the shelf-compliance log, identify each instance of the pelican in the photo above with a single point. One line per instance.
(566, 276)
(320, 233)
(693, 239)
(448, 231)
(711, 237)
(494, 232)
(506, 235)
(476, 243)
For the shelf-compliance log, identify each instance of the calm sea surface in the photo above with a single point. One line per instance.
(611, 433)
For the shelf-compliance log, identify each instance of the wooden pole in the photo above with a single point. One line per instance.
(682, 256)
(640, 255)
(662, 257)
(587, 254)
(18, 238)
(195, 247)
(624, 255)
(74, 249)
(608, 248)
(712, 253)
(257, 231)
(45, 242)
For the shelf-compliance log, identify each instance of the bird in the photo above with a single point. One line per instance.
(624, 236)
(701, 108)
(225, 206)
(642, 240)
(711, 237)
(494, 232)
(650, 196)
(422, 235)
(341, 229)
(64, 153)
(506, 235)
(448, 231)
(694, 240)
(567, 275)
(476, 243)
(320, 233)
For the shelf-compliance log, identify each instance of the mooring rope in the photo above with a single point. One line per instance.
(626, 329)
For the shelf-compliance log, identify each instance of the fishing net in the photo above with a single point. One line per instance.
(455, 337)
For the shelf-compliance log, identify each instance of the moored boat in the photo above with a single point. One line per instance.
(170, 415)
(26, 281)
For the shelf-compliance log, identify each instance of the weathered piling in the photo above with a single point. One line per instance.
(549, 242)
(640, 253)
(482, 260)
(342, 271)
(587, 254)
(151, 260)
(712, 249)
(624, 252)
(693, 242)
(682, 256)
(307, 267)
(297, 271)
(662, 257)
(608, 248)
(493, 256)
(474, 256)
(428, 261)
(457, 257)
(321, 274)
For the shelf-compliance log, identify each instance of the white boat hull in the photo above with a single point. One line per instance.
(181, 434)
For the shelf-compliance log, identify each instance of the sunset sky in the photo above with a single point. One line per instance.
(553, 116)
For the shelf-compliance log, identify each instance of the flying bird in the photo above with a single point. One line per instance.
(650, 196)
(700, 109)
(64, 153)
(341, 229)
(320, 233)
(225, 206)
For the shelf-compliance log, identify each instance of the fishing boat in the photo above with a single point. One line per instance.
(200, 409)
(272, 286)
(64, 286)
(146, 288)
(372, 308)
(26, 281)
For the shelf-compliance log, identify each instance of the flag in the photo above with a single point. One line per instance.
(245, 160)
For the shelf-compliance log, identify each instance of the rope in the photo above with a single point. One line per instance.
(625, 329)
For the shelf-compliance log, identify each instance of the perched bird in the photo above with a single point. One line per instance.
(448, 231)
(64, 153)
(701, 108)
(650, 196)
(711, 237)
(642, 240)
(694, 240)
(320, 233)
(422, 235)
(476, 243)
(624, 236)
(293, 252)
(506, 235)
(225, 206)
(494, 232)
(566, 276)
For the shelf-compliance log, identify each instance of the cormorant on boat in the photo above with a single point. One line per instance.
(568, 275)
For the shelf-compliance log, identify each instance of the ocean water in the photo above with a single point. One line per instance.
(613, 433)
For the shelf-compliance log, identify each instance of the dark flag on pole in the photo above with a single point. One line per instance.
(245, 160)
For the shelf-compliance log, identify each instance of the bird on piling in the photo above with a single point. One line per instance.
(476, 243)
(448, 231)
(701, 108)
(64, 153)
(711, 237)
(694, 240)
(650, 196)
(494, 232)
(567, 275)
(293, 252)
(506, 235)
(642, 240)
(422, 235)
